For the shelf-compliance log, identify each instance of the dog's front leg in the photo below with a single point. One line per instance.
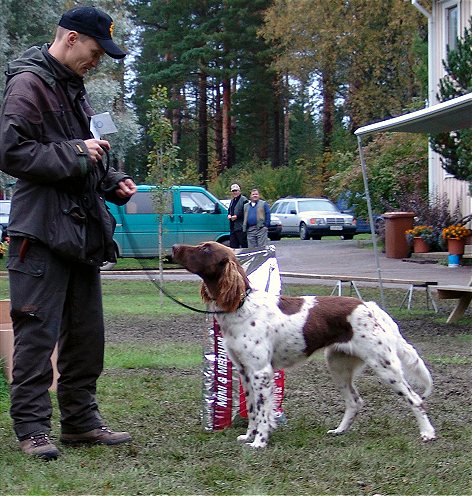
(250, 408)
(262, 384)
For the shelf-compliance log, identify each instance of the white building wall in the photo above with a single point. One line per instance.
(441, 182)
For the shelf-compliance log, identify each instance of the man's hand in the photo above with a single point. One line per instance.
(126, 188)
(96, 148)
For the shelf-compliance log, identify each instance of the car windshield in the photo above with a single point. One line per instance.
(320, 205)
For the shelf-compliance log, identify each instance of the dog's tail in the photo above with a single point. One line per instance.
(413, 365)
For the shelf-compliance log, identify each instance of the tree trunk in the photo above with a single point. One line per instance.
(328, 110)
(286, 108)
(202, 129)
(218, 128)
(226, 125)
(176, 117)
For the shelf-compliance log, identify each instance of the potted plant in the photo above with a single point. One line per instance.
(421, 238)
(455, 236)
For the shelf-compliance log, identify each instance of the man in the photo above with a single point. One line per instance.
(60, 233)
(256, 220)
(237, 237)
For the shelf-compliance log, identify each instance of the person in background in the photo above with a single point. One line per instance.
(256, 220)
(60, 233)
(237, 237)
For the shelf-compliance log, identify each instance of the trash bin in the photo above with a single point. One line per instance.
(396, 223)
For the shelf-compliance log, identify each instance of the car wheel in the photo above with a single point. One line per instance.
(348, 236)
(275, 238)
(304, 231)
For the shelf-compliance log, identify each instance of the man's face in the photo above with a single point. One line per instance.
(254, 196)
(84, 55)
(235, 192)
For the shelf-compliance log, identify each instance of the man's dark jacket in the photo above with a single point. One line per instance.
(237, 208)
(44, 121)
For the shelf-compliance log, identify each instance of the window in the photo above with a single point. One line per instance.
(291, 207)
(282, 208)
(145, 203)
(451, 20)
(196, 203)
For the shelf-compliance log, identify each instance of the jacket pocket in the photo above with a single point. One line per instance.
(67, 229)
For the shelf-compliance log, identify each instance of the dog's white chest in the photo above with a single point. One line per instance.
(260, 332)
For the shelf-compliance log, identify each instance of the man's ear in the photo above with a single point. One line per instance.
(72, 38)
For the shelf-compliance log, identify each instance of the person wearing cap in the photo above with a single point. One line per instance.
(60, 233)
(237, 237)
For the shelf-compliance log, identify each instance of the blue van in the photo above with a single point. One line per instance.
(193, 215)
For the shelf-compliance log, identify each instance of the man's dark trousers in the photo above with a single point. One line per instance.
(237, 239)
(54, 300)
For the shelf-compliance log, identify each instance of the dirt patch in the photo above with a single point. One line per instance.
(136, 329)
(446, 354)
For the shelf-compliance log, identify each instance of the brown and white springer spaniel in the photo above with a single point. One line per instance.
(263, 332)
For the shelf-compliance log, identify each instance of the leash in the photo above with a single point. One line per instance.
(132, 243)
(189, 307)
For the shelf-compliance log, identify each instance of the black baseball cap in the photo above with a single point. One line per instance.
(94, 23)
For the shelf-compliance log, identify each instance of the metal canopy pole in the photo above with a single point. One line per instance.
(371, 220)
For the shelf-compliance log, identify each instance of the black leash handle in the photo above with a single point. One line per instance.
(106, 167)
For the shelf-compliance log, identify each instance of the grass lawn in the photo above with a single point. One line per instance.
(152, 387)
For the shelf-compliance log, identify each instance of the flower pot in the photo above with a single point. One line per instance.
(420, 245)
(455, 246)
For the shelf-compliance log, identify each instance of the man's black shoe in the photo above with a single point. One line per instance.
(101, 435)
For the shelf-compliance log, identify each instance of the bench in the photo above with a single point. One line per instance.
(340, 280)
(461, 293)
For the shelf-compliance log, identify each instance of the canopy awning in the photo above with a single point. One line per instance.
(446, 116)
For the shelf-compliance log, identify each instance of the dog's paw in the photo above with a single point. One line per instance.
(336, 432)
(426, 437)
(257, 444)
(244, 438)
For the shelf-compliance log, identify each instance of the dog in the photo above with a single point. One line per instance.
(263, 333)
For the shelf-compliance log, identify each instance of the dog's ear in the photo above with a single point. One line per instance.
(231, 287)
(204, 293)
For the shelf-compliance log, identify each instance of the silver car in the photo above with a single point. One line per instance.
(313, 218)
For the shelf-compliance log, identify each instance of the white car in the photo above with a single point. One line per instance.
(313, 218)
(4, 217)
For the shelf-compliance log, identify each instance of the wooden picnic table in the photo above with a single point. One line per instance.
(462, 293)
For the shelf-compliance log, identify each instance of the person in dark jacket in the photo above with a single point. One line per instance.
(60, 233)
(237, 237)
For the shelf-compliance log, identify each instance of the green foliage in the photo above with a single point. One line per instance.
(271, 183)
(162, 159)
(397, 167)
(455, 147)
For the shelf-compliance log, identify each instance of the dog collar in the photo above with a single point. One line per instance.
(244, 296)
